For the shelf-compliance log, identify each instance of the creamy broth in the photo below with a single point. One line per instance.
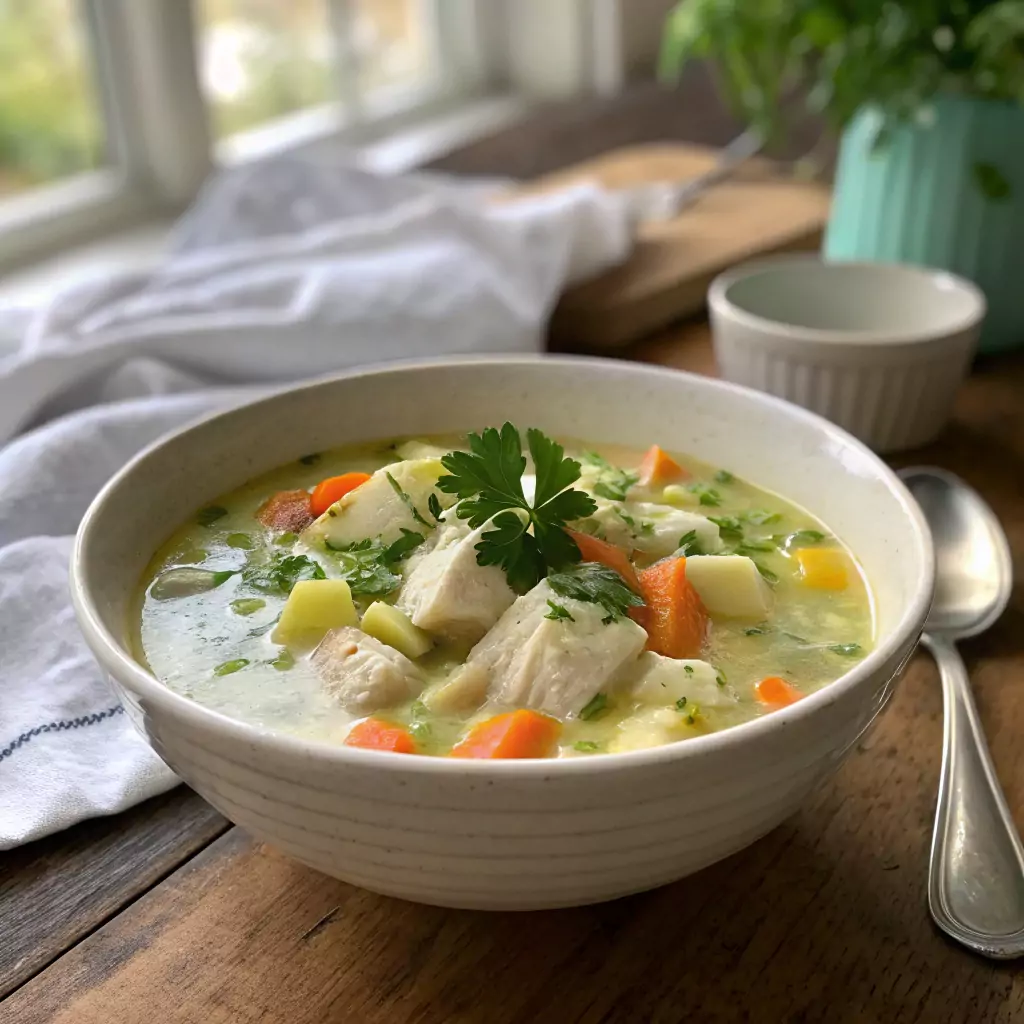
(209, 619)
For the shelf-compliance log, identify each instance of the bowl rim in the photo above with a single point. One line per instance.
(720, 304)
(115, 658)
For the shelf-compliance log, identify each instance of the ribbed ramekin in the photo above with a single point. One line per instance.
(879, 349)
(510, 834)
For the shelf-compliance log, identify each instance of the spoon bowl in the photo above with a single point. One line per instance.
(976, 872)
(973, 567)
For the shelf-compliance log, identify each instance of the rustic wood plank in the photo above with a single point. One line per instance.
(823, 919)
(59, 889)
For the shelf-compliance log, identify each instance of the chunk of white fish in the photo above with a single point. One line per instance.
(553, 665)
(362, 674)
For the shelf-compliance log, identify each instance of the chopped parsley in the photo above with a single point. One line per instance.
(247, 605)
(597, 584)
(760, 517)
(586, 746)
(240, 540)
(729, 527)
(720, 677)
(723, 476)
(434, 506)
(612, 483)
(407, 543)
(639, 528)
(407, 501)
(227, 668)
(765, 572)
(209, 515)
(594, 707)
(488, 481)
(688, 669)
(756, 630)
(286, 539)
(847, 650)
(689, 545)
(693, 715)
(681, 703)
(558, 613)
(801, 538)
(282, 572)
(310, 460)
(706, 495)
(284, 660)
(745, 547)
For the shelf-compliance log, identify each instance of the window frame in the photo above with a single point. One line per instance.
(159, 139)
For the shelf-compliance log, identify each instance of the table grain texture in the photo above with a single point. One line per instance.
(168, 914)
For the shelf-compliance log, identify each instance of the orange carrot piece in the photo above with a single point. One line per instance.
(333, 489)
(374, 734)
(675, 618)
(776, 692)
(521, 733)
(659, 468)
(286, 511)
(593, 549)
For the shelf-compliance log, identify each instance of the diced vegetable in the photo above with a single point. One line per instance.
(658, 468)
(776, 692)
(394, 628)
(729, 585)
(333, 489)
(823, 568)
(519, 733)
(313, 608)
(373, 734)
(676, 495)
(286, 510)
(675, 618)
(593, 549)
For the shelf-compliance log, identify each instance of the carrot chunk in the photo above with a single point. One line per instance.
(823, 568)
(374, 734)
(286, 511)
(519, 733)
(674, 616)
(593, 549)
(659, 468)
(333, 489)
(776, 692)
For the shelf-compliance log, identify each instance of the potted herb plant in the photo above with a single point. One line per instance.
(929, 97)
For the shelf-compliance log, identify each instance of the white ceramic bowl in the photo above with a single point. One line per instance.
(513, 834)
(878, 348)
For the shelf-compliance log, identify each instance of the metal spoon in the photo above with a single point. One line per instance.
(976, 874)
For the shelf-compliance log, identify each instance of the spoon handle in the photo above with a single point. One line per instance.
(976, 875)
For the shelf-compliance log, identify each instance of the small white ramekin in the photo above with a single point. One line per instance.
(880, 349)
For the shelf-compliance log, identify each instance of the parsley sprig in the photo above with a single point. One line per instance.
(525, 540)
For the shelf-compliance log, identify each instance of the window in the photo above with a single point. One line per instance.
(50, 122)
(115, 110)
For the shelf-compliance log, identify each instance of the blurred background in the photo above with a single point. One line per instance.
(113, 112)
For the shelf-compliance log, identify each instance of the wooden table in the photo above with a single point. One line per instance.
(169, 914)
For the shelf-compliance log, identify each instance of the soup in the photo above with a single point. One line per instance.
(501, 596)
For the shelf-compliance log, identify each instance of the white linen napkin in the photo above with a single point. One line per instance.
(283, 270)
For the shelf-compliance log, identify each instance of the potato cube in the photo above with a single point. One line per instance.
(729, 585)
(313, 608)
(394, 628)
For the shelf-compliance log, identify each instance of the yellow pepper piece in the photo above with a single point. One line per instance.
(823, 568)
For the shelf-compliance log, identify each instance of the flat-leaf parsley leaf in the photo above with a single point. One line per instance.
(597, 584)
(525, 540)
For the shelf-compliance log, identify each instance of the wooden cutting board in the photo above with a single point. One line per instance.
(760, 210)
